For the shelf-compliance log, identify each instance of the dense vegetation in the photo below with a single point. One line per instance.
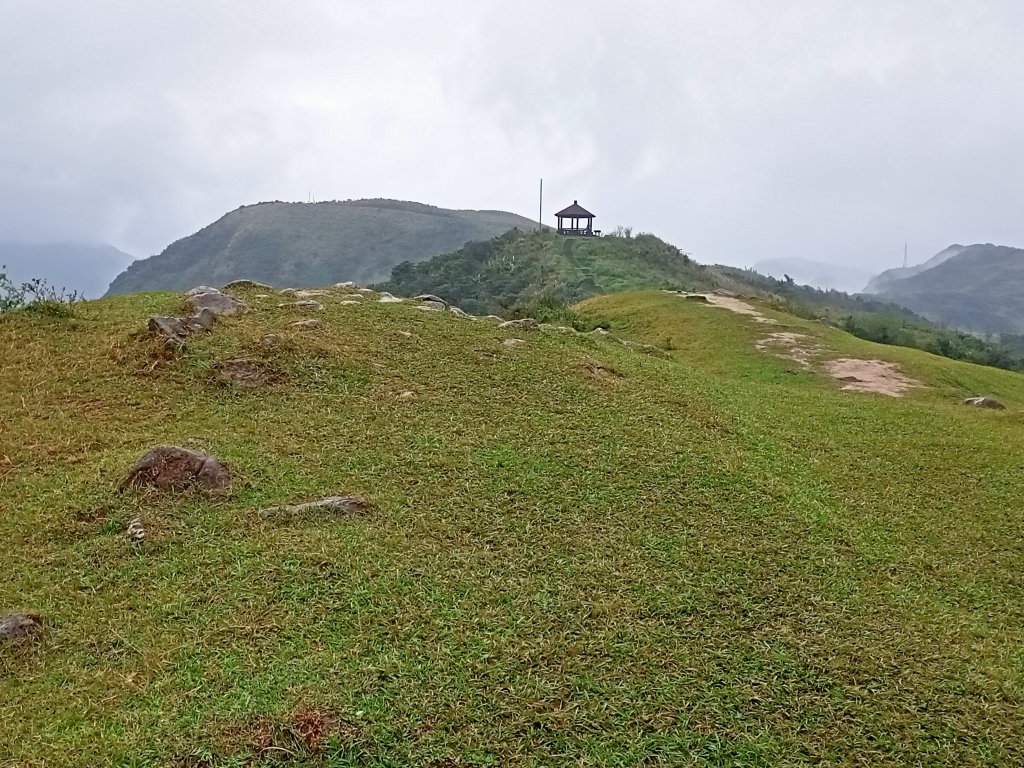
(578, 554)
(301, 244)
(520, 268)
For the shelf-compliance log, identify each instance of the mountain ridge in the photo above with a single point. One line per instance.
(286, 244)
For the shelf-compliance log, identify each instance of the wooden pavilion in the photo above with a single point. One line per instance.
(570, 221)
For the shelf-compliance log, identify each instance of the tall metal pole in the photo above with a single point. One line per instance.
(540, 209)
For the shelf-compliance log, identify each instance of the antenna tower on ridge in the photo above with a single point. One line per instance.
(905, 255)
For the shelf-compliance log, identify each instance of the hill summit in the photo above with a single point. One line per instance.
(312, 244)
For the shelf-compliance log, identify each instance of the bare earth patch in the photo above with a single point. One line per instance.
(870, 376)
(789, 345)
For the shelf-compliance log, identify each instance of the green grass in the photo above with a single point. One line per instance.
(707, 559)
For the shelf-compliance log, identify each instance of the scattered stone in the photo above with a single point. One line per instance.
(171, 467)
(346, 284)
(15, 626)
(353, 296)
(566, 329)
(425, 297)
(600, 332)
(365, 290)
(348, 303)
(310, 323)
(310, 293)
(136, 532)
(546, 327)
(250, 284)
(526, 322)
(598, 371)
(181, 326)
(430, 307)
(304, 304)
(405, 333)
(406, 395)
(349, 506)
(262, 295)
(270, 340)
(985, 402)
(215, 301)
(460, 313)
(513, 342)
(495, 318)
(200, 289)
(387, 298)
(246, 373)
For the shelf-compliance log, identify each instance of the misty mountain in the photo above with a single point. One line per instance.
(978, 288)
(881, 282)
(75, 267)
(816, 274)
(295, 244)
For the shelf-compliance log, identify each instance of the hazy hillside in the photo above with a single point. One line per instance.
(299, 244)
(816, 274)
(75, 267)
(879, 283)
(576, 552)
(981, 289)
(523, 267)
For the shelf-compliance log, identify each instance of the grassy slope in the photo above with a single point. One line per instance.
(289, 244)
(709, 559)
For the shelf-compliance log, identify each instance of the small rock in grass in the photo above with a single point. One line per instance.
(546, 327)
(136, 532)
(495, 318)
(406, 395)
(513, 342)
(308, 293)
(200, 289)
(15, 626)
(346, 284)
(181, 326)
(425, 297)
(566, 329)
(250, 284)
(348, 303)
(270, 340)
(349, 506)
(171, 467)
(526, 322)
(460, 313)
(985, 402)
(308, 323)
(387, 298)
(365, 290)
(304, 304)
(405, 333)
(430, 306)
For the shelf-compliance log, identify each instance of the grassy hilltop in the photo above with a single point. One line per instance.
(579, 552)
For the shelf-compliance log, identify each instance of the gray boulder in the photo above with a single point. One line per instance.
(171, 468)
(218, 303)
(160, 325)
(425, 297)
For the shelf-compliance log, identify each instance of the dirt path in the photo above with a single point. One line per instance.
(856, 375)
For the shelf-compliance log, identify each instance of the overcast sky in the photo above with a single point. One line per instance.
(736, 129)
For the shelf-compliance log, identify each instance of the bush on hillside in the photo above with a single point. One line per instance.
(35, 296)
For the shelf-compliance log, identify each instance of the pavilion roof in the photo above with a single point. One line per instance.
(575, 211)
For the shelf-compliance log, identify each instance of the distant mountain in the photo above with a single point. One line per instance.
(296, 244)
(816, 274)
(978, 288)
(75, 267)
(881, 282)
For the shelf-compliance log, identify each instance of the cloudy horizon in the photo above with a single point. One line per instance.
(737, 130)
